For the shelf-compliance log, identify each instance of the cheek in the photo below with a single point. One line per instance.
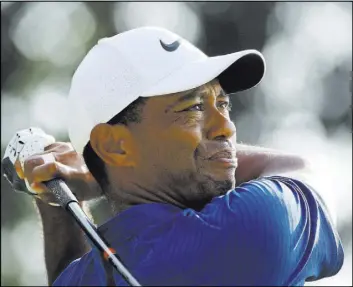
(174, 148)
(182, 141)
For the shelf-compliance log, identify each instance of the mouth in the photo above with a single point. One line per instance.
(226, 158)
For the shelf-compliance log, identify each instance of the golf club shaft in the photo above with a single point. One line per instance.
(68, 201)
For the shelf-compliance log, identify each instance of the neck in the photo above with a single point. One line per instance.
(183, 191)
(121, 197)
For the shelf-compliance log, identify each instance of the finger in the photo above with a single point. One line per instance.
(31, 163)
(39, 188)
(59, 151)
(67, 157)
(53, 146)
(18, 169)
(45, 172)
(34, 162)
(38, 159)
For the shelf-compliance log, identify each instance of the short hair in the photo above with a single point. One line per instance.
(131, 114)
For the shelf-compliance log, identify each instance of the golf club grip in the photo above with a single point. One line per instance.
(61, 191)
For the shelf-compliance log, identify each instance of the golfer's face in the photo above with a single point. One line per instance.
(188, 136)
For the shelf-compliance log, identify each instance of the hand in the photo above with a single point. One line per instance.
(59, 160)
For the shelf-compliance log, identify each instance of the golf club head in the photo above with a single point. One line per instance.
(22, 145)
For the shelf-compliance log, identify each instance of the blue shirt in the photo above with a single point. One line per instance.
(270, 231)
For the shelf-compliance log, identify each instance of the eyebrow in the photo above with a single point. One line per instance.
(194, 94)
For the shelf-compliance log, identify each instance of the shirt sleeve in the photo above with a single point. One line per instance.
(272, 231)
(84, 271)
(69, 276)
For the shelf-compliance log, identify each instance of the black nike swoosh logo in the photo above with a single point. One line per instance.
(170, 47)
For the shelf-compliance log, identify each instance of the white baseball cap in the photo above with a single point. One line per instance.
(147, 62)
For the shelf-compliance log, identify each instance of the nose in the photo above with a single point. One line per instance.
(219, 127)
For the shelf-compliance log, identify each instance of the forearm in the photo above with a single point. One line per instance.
(63, 239)
(254, 162)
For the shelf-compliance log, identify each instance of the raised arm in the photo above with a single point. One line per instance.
(254, 162)
(64, 241)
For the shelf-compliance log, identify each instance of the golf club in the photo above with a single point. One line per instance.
(64, 197)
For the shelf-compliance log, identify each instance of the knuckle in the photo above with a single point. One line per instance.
(59, 147)
(66, 157)
(52, 146)
(32, 162)
(69, 146)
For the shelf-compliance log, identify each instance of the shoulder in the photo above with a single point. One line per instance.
(287, 203)
(257, 212)
(83, 271)
(273, 197)
(260, 233)
(279, 220)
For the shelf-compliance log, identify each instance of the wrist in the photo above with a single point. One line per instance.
(51, 213)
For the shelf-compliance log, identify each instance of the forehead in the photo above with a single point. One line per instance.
(212, 88)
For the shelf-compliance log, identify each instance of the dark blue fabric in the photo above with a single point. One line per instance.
(271, 231)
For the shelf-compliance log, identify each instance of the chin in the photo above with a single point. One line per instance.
(217, 186)
(218, 170)
(208, 190)
(224, 175)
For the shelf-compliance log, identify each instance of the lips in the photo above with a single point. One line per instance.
(221, 155)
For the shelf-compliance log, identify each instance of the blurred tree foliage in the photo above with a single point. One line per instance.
(245, 30)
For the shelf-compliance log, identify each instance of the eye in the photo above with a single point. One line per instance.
(225, 105)
(195, 108)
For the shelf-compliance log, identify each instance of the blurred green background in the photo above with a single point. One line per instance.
(303, 104)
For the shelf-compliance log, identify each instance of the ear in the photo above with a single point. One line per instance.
(113, 144)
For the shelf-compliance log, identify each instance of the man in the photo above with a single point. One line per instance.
(150, 115)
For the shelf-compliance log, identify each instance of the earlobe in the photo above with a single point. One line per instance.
(109, 143)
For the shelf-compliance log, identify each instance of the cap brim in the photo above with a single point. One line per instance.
(236, 72)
